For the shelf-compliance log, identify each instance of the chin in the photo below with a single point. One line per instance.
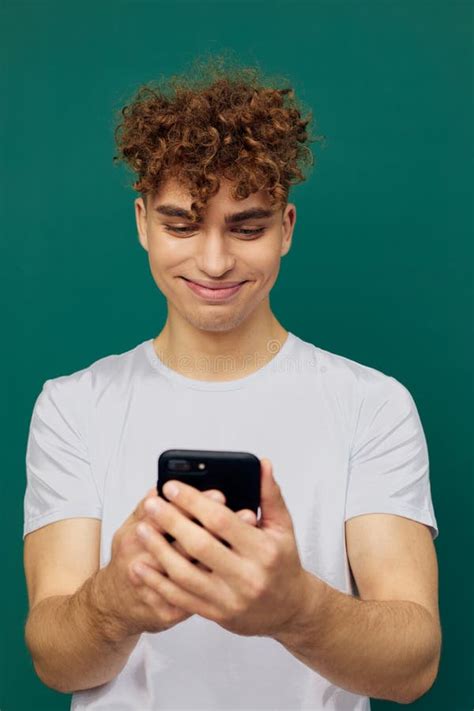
(221, 324)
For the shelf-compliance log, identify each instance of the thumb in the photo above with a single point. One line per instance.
(274, 511)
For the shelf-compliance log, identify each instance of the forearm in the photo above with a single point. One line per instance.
(383, 649)
(74, 643)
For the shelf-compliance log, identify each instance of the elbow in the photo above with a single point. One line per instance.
(50, 683)
(423, 687)
(426, 680)
(43, 675)
(59, 684)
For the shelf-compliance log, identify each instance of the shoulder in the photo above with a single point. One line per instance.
(354, 382)
(79, 389)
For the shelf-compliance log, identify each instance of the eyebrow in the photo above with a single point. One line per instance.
(252, 213)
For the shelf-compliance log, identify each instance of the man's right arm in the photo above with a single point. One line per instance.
(85, 621)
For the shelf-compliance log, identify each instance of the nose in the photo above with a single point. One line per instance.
(213, 255)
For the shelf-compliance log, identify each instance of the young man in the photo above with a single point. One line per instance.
(331, 596)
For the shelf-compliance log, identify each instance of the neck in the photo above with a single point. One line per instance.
(219, 355)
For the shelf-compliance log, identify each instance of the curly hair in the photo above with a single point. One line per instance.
(215, 121)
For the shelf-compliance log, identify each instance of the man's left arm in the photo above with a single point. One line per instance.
(386, 643)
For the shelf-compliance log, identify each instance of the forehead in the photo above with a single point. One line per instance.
(172, 191)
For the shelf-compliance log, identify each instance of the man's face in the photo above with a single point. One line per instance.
(223, 247)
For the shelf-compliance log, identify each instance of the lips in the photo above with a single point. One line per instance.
(214, 294)
(215, 285)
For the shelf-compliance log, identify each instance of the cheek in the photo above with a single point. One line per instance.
(165, 257)
(265, 262)
(269, 267)
(262, 254)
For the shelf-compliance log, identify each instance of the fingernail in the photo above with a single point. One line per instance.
(153, 506)
(171, 490)
(246, 517)
(143, 530)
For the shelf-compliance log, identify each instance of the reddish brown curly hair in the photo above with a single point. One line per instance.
(215, 120)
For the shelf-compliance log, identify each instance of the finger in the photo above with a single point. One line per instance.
(140, 510)
(220, 521)
(179, 548)
(175, 596)
(209, 546)
(215, 495)
(248, 516)
(193, 583)
(155, 601)
(141, 513)
(152, 562)
(148, 559)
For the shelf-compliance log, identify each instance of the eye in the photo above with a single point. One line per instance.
(171, 228)
(256, 231)
(242, 231)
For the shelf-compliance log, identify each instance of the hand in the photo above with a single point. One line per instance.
(255, 587)
(245, 514)
(130, 605)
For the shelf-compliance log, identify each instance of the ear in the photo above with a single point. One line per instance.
(288, 225)
(141, 220)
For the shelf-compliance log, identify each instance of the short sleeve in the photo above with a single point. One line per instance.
(389, 462)
(59, 479)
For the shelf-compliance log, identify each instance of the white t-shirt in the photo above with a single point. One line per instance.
(344, 439)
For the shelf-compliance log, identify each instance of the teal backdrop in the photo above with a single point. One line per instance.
(380, 270)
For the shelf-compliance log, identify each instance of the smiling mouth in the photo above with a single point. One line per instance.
(217, 286)
(214, 294)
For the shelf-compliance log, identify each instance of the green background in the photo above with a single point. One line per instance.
(380, 270)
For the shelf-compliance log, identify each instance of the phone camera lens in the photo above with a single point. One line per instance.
(179, 465)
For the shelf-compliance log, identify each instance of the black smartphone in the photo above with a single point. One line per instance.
(236, 474)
